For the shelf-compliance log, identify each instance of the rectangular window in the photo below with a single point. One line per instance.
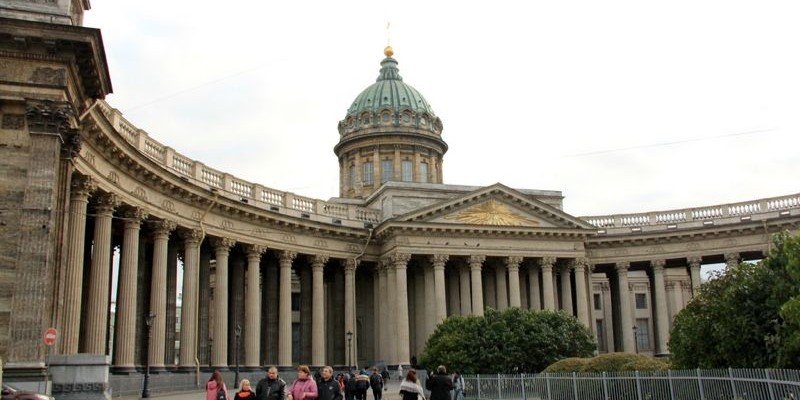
(406, 169)
(601, 335)
(352, 176)
(368, 173)
(643, 334)
(597, 304)
(641, 301)
(387, 171)
(423, 172)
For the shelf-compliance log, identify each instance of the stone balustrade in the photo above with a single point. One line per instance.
(229, 185)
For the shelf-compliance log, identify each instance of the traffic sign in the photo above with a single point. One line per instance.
(50, 336)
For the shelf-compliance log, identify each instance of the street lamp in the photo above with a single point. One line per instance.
(146, 386)
(349, 350)
(635, 340)
(238, 333)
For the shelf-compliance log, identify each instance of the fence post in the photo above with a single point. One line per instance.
(769, 385)
(605, 386)
(669, 379)
(499, 389)
(638, 385)
(733, 383)
(547, 382)
(700, 385)
(524, 397)
(479, 386)
(575, 385)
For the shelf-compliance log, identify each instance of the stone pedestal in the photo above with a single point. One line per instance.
(79, 376)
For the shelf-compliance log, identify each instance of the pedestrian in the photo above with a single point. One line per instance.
(385, 375)
(400, 372)
(215, 387)
(272, 387)
(303, 387)
(410, 388)
(362, 385)
(376, 384)
(245, 392)
(439, 384)
(327, 387)
(458, 386)
(350, 386)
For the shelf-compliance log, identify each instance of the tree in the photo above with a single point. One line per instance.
(511, 341)
(746, 316)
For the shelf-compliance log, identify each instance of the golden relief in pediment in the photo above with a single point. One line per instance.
(492, 212)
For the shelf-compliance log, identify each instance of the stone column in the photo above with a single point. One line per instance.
(391, 290)
(219, 353)
(400, 262)
(318, 311)
(732, 260)
(377, 303)
(694, 270)
(73, 287)
(548, 295)
(626, 316)
(383, 316)
(125, 324)
(158, 291)
(350, 307)
(430, 307)
(533, 287)
(285, 309)
(438, 261)
(566, 291)
(466, 298)
(512, 264)
(475, 265)
(453, 298)
(252, 307)
(189, 305)
(581, 295)
(96, 323)
(501, 286)
(660, 308)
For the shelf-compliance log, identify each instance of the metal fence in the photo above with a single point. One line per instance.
(739, 384)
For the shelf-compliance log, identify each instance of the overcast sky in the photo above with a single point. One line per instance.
(623, 106)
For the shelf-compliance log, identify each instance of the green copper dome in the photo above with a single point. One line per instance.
(390, 92)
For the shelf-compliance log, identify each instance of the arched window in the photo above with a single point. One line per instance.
(368, 173)
(423, 172)
(406, 168)
(387, 171)
(352, 176)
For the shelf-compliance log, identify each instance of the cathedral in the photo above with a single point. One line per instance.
(213, 270)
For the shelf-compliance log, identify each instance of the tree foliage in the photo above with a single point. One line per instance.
(510, 341)
(609, 362)
(746, 316)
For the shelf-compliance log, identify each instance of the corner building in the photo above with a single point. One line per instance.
(360, 279)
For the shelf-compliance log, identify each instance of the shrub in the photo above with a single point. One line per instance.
(572, 364)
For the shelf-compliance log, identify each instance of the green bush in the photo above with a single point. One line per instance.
(612, 362)
(572, 364)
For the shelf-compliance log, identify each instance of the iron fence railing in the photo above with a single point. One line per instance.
(714, 384)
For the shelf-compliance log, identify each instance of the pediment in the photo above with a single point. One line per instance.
(498, 206)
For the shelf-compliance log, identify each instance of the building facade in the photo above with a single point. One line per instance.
(360, 279)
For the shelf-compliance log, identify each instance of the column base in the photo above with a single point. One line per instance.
(126, 370)
(251, 369)
(284, 368)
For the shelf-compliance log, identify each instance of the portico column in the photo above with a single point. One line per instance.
(660, 308)
(466, 298)
(400, 261)
(694, 271)
(391, 319)
(732, 260)
(158, 291)
(438, 261)
(548, 296)
(626, 317)
(383, 315)
(95, 339)
(285, 309)
(533, 287)
(350, 266)
(252, 307)
(501, 287)
(317, 311)
(219, 353)
(566, 291)
(125, 323)
(430, 306)
(581, 297)
(82, 186)
(512, 264)
(189, 305)
(475, 265)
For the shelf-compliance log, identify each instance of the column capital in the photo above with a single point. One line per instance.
(732, 258)
(319, 261)
(192, 236)
(286, 256)
(400, 260)
(439, 260)
(622, 266)
(161, 227)
(222, 243)
(694, 261)
(82, 185)
(134, 214)
(106, 203)
(579, 264)
(513, 262)
(547, 261)
(350, 265)
(254, 250)
(658, 265)
(476, 261)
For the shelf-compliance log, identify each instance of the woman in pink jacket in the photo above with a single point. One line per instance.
(213, 386)
(304, 387)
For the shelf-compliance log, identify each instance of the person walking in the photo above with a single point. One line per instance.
(327, 387)
(245, 393)
(410, 388)
(439, 384)
(458, 386)
(215, 387)
(362, 385)
(376, 384)
(272, 387)
(303, 387)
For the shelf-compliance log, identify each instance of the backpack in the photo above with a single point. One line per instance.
(221, 395)
(362, 384)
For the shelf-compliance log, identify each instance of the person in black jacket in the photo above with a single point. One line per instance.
(327, 387)
(272, 387)
(439, 384)
(376, 384)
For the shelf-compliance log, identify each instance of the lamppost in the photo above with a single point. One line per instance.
(146, 386)
(635, 340)
(238, 333)
(349, 350)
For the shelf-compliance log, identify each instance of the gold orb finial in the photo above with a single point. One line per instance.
(388, 51)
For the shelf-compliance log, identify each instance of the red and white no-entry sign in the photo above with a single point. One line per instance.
(50, 336)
